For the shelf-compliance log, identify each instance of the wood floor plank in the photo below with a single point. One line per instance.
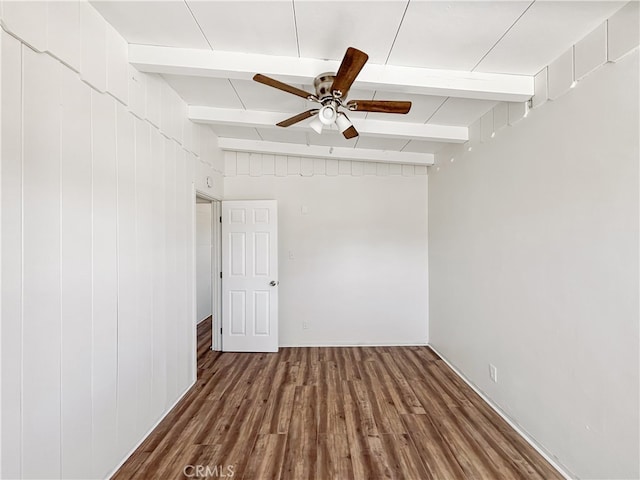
(171, 465)
(358, 448)
(366, 450)
(433, 402)
(403, 457)
(278, 410)
(292, 372)
(385, 411)
(267, 457)
(470, 456)
(334, 457)
(220, 415)
(241, 437)
(490, 455)
(309, 373)
(302, 439)
(358, 403)
(406, 401)
(331, 416)
(453, 394)
(409, 364)
(438, 458)
(328, 372)
(344, 413)
(379, 458)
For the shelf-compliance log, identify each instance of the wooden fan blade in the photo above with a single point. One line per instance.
(382, 106)
(350, 67)
(281, 86)
(350, 132)
(298, 118)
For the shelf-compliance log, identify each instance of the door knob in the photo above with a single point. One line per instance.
(273, 283)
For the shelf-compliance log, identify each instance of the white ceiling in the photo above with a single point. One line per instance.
(477, 38)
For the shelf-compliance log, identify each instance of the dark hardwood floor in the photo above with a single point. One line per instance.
(331, 413)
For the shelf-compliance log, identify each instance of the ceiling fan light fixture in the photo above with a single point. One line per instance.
(343, 122)
(327, 115)
(316, 124)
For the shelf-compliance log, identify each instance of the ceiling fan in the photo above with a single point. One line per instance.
(331, 93)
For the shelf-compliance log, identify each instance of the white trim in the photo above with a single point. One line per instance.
(216, 282)
(519, 430)
(389, 78)
(353, 344)
(365, 126)
(153, 427)
(216, 264)
(207, 195)
(194, 282)
(318, 151)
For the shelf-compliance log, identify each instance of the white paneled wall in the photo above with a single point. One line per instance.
(41, 269)
(105, 282)
(257, 165)
(76, 265)
(10, 263)
(99, 165)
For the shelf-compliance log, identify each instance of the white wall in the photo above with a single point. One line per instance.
(533, 255)
(203, 259)
(352, 252)
(98, 169)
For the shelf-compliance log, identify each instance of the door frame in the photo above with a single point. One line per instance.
(216, 267)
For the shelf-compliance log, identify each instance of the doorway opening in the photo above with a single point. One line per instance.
(207, 267)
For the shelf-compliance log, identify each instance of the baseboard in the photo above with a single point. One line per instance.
(352, 344)
(524, 434)
(203, 320)
(122, 462)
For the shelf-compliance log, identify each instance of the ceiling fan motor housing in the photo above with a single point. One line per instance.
(322, 83)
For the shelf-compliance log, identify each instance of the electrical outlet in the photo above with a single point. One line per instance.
(291, 255)
(305, 326)
(493, 373)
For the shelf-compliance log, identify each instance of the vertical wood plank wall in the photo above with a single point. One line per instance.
(10, 261)
(97, 211)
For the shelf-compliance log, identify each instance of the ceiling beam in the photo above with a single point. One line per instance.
(421, 81)
(365, 126)
(317, 151)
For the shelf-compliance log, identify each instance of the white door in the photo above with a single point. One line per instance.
(250, 276)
